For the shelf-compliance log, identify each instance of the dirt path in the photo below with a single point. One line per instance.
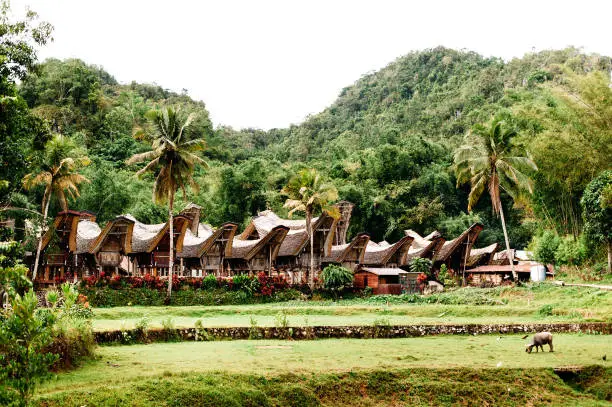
(602, 287)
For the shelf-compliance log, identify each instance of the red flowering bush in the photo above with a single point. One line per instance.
(225, 282)
(422, 281)
(115, 282)
(280, 283)
(266, 284)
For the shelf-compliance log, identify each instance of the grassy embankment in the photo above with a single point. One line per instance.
(445, 369)
(538, 303)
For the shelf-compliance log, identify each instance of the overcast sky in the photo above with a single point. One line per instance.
(271, 63)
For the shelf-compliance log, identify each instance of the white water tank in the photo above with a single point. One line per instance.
(538, 272)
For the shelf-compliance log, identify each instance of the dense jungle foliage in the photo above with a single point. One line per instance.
(387, 142)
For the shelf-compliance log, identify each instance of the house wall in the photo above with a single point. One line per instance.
(365, 279)
(481, 278)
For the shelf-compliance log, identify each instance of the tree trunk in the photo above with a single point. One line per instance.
(311, 238)
(171, 252)
(610, 256)
(42, 233)
(508, 252)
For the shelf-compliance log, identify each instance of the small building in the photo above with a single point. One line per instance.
(386, 280)
(496, 274)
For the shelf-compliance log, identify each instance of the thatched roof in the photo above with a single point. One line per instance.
(462, 243)
(297, 236)
(143, 235)
(65, 225)
(247, 249)
(121, 225)
(381, 253)
(87, 232)
(422, 247)
(195, 246)
(502, 257)
(357, 246)
(482, 255)
(193, 241)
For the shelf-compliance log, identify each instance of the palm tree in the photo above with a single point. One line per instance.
(486, 161)
(173, 160)
(309, 194)
(57, 172)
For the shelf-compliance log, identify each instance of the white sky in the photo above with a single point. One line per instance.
(271, 63)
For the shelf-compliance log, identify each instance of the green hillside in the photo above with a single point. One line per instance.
(387, 143)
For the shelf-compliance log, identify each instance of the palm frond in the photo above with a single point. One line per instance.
(478, 184)
(150, 166)
(138, 158)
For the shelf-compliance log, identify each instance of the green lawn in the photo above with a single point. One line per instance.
(510, 305)
(121, 364)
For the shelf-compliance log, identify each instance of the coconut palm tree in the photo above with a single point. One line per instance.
(309, 194)
(486, 161)
(57, 172)
(172, 160)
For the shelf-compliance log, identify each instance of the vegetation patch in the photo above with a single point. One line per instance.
(418, 387)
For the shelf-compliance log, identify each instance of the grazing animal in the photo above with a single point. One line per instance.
(540, 339)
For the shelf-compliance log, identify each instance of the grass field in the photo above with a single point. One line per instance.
(132, 375)
(539, 303)
(116, 364)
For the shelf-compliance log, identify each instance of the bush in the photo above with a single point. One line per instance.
(25, 334)
(420, 265)
(11, 254)
(72, 335)
(546, 246)
(109, 297)
(336, 278)
(571, 251)
(209, 282)
(546, 310)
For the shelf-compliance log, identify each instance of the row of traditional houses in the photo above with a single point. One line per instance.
(77, 247)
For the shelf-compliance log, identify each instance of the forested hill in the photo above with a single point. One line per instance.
(386, 142)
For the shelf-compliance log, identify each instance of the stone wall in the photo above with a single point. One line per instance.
(318, 332)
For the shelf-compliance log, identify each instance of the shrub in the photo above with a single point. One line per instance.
(336, 278)
(254, 329)
(11, 254)
(25, 334)
(266, 284)
(420, 265)
(72, 334)
(546, 310)
(281, 320)
(570, 251)
(546, 246)
(209, 282)
(168, 324)
(142, 324)
(14, 280)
